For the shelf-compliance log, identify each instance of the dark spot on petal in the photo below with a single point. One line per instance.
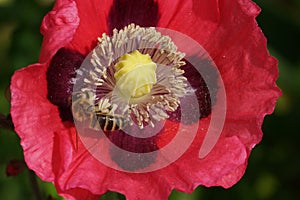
(124, 12)
(61, 70)
(130, 162)
(199, 82)
(130, 144)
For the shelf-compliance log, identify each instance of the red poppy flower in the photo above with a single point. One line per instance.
(41, 105)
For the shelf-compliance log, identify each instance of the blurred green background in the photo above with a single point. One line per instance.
(274, 166)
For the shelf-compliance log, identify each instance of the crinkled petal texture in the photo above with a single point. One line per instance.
(226, 29)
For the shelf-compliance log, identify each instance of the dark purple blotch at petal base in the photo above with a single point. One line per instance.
(132, 158)
(61, 71)
(199, 76)
(144, 13)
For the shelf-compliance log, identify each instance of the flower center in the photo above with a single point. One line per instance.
(135, 74)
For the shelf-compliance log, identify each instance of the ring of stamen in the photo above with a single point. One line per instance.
(156, 99)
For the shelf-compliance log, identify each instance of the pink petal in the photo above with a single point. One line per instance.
(93, 23)
(238, 48)
(34, 118)
(58, 28)
(197, 19)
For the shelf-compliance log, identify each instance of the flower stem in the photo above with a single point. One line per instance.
(34, 186)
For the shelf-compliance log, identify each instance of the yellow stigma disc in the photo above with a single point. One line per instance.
(135, 74)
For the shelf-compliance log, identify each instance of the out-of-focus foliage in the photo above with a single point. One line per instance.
(274, 165)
